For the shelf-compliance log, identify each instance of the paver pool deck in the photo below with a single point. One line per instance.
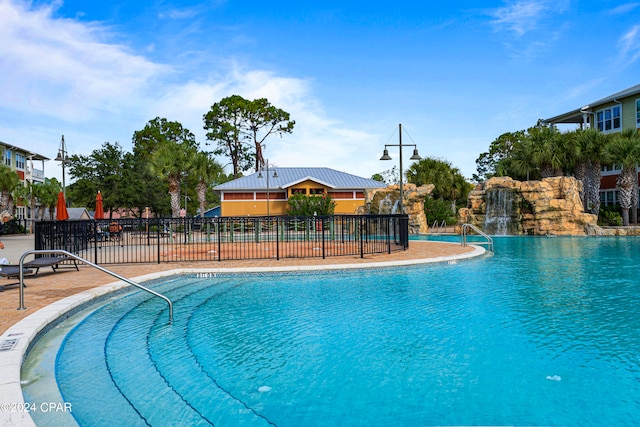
(50, 294)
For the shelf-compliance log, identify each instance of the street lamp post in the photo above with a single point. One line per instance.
(415, 156)
(275, 175)
(62, 157)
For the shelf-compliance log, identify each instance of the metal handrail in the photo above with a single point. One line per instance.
(439, 228)
(69, 254)
(463, 233)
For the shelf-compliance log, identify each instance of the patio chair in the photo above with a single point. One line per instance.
(50, 261)
(12, 271)
(115, 231)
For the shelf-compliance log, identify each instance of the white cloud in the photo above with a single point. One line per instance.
(61, 68)
(317, 140)
(630, 44)
(520, 17)
(623, 9)
(62, 76)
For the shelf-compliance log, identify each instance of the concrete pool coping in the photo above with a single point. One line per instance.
(17, 339)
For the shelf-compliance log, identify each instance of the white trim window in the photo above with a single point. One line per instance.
(609, 197)
(20, 161)
(609, 119)
(7, 157)
(638, 113)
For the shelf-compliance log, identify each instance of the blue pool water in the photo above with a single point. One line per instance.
(543, 333)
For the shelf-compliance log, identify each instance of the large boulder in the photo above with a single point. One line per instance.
(385, 201)
(551, 206)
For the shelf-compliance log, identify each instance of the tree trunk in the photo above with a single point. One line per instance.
(625, 216)
(547, 171)
(595, 173)
(625, 192)
(174, 192)
(582, 175)
(634, 202)
(201, 190)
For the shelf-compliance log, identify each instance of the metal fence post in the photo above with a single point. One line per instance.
(360, 225)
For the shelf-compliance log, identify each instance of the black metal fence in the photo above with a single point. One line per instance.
(225, 238)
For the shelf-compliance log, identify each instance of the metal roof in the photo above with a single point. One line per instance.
(575, 116)
(287, 177)
(28, 154)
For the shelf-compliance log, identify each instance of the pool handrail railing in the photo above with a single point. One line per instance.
(76, 257)
(463, 233)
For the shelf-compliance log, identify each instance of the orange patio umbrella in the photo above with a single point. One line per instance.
(99, 214)
(61, 208)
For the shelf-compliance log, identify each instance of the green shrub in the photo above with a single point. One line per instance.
(610, 216)
(302, 205)
(438, 210)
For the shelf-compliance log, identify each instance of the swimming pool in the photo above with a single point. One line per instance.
(543, 333)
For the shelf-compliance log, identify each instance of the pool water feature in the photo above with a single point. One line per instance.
(542, 333)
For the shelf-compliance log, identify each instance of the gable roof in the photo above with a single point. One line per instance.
(575, 116)
(76, 214)
(288, 177)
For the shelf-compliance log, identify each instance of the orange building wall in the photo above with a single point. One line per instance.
(254, 203)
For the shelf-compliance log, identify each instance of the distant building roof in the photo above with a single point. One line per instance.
(287, 177)
(76, 214)
(213, 212)
(575, 116)
(28, 153)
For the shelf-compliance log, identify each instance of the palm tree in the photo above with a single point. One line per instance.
(48, 195)
(448, 182)
(548, 153)
(170, 161)
(587, 148)
(206, 170)
(521, 163)
(9, 180)
(601, 140)
(624, 150)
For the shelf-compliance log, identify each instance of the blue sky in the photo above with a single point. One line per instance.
(455, 74)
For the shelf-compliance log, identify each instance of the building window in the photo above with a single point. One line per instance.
(316, 191)
(237, 196)
(638, 113)
(609, 119)
(7, 158)
(298, 191)
(608, 197)
(20, 160)
(610, 168)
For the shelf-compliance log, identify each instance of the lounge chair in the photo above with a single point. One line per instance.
(49, 261)
(12, 271)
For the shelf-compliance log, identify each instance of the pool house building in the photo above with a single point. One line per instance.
(267, 192)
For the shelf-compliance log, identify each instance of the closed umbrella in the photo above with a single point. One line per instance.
(99, 214)
(61, 208)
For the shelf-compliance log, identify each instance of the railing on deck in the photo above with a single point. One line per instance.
(224, 238)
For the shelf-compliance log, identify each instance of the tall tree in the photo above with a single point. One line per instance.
(234, 121)
(496, 161)
(263, 120)
(103, 171)
(223, 125)
(624, 150)
(170, 148)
